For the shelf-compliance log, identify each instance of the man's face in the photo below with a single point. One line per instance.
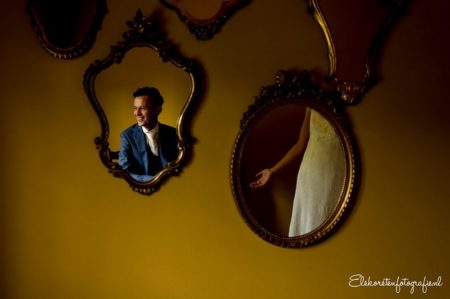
(146, 114)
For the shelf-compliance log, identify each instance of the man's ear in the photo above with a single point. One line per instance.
(159, 108)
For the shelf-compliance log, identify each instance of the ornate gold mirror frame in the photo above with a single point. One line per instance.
(206, 27)
(143, 34)
(268, 129)
(66, 29)
(357, 26)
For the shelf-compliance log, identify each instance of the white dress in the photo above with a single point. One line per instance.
(320, 178)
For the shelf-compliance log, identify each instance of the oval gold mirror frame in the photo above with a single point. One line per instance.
(205, 28)
(143, 33)
(291, 88)
(352, 90)
(66, 30)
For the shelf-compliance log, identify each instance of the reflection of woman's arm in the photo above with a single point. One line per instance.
(296, 150)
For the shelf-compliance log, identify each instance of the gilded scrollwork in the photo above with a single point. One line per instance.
(59, 29)
(352, 90)
(143, 33)
(277, 109)
(205, 28)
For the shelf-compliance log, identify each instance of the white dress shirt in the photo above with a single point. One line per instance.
(152, 139)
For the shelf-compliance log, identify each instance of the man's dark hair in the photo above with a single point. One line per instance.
(155, 97)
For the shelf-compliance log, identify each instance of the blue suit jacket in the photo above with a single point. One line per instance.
(134, 151)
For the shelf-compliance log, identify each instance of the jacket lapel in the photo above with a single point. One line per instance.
(141, 144)
(163, 144)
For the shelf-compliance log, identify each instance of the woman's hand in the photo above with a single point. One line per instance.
(262, 178)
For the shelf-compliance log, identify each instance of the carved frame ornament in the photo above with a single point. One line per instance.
(143, 33)
(352, 91)
(81, 46)
(295, 87)
(205, 29)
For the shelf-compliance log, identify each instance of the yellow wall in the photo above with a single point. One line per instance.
(71, 230)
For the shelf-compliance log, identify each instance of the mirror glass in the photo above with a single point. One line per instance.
(139, 68)
(200, 9)
(66, 29)
(354, 25)
(302, 193)
(293, 168)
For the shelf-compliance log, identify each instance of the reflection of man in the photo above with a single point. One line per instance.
(147, 146)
